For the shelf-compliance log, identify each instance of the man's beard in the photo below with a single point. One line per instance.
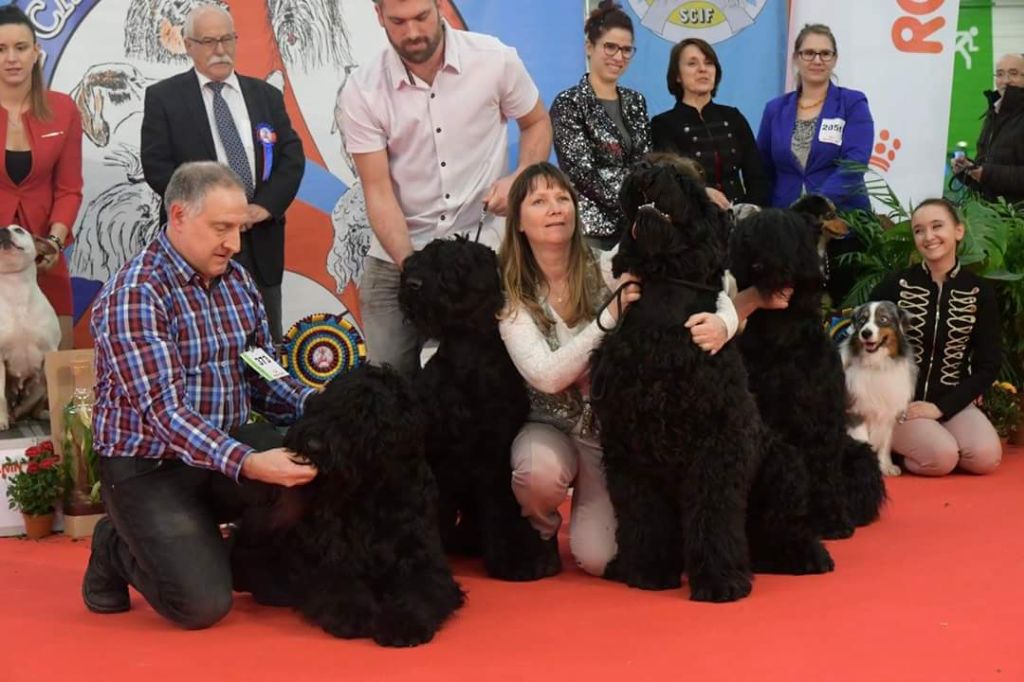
(419, 55)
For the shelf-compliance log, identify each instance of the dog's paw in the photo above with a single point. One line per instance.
(837, 531)
(346, 628)
(653, 581)
(890, 469)
(395, 628)
(815, 560)
(720, 588)
(647, 578)
(811, 559)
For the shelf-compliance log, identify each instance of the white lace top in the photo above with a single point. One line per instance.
(555, 365)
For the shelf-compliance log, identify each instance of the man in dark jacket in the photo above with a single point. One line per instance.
(999, 166)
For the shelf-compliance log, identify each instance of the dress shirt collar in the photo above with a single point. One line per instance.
(231, 81)
(181, 269)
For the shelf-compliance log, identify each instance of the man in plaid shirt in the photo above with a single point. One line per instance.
(170, 329)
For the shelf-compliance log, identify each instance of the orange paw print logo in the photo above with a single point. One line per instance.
(885, 151)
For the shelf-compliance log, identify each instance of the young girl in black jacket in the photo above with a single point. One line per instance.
(956, 338)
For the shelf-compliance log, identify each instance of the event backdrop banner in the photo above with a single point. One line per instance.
(748, 36)
(104, 53)
(900, 53)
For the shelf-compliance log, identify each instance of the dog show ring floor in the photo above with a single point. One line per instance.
(931, 592)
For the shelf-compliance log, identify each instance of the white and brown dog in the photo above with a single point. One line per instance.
(28, 325)
(880, 376)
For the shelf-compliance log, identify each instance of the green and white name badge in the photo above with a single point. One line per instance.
(264, 365)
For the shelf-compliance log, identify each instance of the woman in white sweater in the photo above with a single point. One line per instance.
(556, 287)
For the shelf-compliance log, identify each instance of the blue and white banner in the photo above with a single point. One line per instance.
(749, 37)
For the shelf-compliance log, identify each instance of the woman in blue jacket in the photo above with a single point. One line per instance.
(808, 137)
(807, 133)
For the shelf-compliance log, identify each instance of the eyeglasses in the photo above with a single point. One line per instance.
(809, 55)
(1012, 73)
(612, 49)
(210, 43)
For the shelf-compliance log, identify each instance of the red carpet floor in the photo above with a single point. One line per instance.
(934, 591)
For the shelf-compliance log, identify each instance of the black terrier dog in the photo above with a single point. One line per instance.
(476, 402)
(361, 550)
(795, 370)
(679, 428)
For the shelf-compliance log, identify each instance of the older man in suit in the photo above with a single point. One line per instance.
(211, 113)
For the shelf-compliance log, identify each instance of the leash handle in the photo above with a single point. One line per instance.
(617, 298)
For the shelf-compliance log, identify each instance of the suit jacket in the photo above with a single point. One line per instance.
(592, 152)
(52, 191)
(851, 135)
(176, 129)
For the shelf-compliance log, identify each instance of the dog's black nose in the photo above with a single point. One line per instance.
(414, 283)
(865, 334)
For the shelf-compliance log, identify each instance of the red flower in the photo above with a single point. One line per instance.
(46, 446)
(48, 463)
(33, 468)
(32, 452)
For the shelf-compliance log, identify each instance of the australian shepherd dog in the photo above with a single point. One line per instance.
(880, 376)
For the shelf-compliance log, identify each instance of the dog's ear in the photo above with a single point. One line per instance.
(905, 318)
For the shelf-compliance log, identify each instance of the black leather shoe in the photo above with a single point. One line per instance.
(103, 589)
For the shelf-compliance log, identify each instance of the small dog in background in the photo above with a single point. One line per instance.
(822, 211)
(28, 325)
(880, 376)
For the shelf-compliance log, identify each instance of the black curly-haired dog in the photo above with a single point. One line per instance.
(679, 428)
(476, 402)
(795, 370)
(359, 553)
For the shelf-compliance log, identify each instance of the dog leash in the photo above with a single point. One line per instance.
(480, 225)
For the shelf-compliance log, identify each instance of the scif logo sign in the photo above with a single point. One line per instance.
(712, 21)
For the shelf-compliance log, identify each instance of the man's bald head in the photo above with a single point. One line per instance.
(1010, 71)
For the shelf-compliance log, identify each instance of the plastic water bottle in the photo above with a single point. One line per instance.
(961, 150)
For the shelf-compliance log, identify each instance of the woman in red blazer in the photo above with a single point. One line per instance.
(41, 177)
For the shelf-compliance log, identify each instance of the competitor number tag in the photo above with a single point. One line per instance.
(832, 131)
(264, 365)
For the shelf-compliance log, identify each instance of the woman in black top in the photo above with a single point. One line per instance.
(715, 136)
(954, 329)
(600, 128)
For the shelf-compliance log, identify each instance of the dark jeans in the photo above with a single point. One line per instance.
(167, 542)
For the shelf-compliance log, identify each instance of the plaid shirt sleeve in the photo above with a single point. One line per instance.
(146, 363)
(282, 400)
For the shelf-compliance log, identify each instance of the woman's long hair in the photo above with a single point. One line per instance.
(11, 14)
(521, 275)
